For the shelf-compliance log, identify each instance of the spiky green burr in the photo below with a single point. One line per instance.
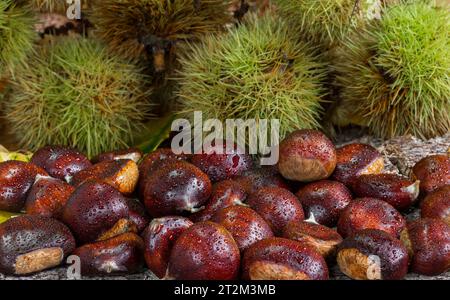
(76, 93)
(134, 28)
(16, 36)
(256, 71)
(394, 76)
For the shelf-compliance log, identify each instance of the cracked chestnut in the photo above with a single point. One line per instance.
(176, 187)
(204, 251)
(325, 200)
(122, 174)
(372, 254)
(370, 213)
(60, 162)
(224, 194)
(16, 180)
(428, 243)
(159, 238)
(396, 190)
(277, 206)
(244, 224)
(122, 254)
(356, 159)
(283, 259)
(306, 155)
(29, 244)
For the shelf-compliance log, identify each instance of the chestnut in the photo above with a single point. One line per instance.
(306, 155)
(30, 244)
(48, 196)
(174, 188)
(122, 254)
(370, 213)
(122, 174)
(325, 240)
(60, 162)
(325, 200)
(137, 214)
(433, 172)
(204, 251)
(16, 179)
(428, 243)
(255, 179)
(396, 190)
(153, 160)
(133, 154)
(372, 254)
(356, 159)
(277, 206)
(437, 205)
(159, 238)
(244, 224)
(283, 259)
(93, 209)
(225, 193)
(218, 164)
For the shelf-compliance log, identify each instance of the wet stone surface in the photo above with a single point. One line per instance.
(400, 155)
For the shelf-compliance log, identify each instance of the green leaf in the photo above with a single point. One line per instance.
(155, 132)
(5, 216)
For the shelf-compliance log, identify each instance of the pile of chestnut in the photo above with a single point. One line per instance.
(222, 217)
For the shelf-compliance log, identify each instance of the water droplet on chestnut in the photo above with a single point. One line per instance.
(436, 205)
(204, 251)
(433, 172)
(306, 155)
(370, 213)
(324, 199)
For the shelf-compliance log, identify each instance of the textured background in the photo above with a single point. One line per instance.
(400, 155)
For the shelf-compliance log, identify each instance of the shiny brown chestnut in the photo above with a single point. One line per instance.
(137, 214)
(277, 206)
(30, 244)
(16, 180)
(428, 243)
(356, 159)
(176, 187)
(159, 238)
(370, 213)
(244, 224)
(204, 251)
(153, 160)
(325, 200)
(433, 172)
(122, 254)
(122, 174)
(60, 162)
(325, 240)
(372, 254)
(93, 209)
(396, 190)
(224, 194)
(283, 259)
(437, 205)
(306, 155)
(133, 154)
(48, 196)
(220, 163)
(265, 176)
